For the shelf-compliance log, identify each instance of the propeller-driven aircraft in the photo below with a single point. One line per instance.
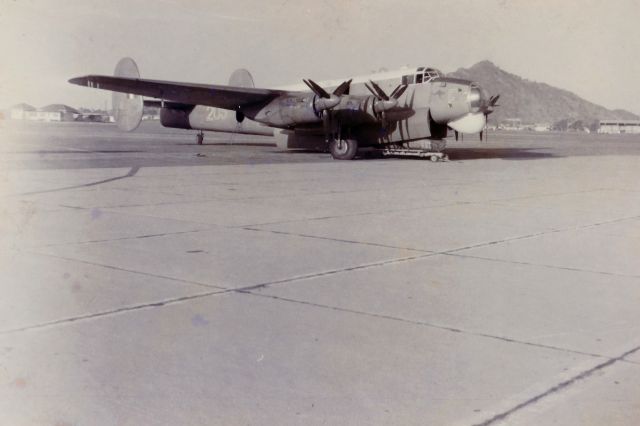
(407, 109)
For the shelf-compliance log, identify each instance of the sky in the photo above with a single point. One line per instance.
(589, 47)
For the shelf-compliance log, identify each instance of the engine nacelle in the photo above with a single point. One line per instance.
(287, 111)
(176, 117)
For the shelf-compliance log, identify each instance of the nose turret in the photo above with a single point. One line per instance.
(460, 104)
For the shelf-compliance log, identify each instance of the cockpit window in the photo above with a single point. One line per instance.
(427, 75)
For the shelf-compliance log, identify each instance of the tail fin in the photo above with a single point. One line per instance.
(127, 108)
(241, 78)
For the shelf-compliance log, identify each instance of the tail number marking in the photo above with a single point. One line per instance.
(216, 114)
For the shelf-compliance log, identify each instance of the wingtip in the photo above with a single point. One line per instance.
(81, 81)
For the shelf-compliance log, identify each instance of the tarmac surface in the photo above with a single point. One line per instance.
(146, 280)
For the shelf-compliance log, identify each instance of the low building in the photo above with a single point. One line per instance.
(21, 112)
(541, 127)
(57, 112)
(512, 124)
(619, 126)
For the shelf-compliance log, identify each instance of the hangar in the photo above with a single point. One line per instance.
(53, 112)
(21, 112)
(619, 126)
(57, 112)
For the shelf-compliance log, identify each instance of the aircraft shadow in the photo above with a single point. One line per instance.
(501, 153)
(455, 154)
(267, 145)
(84, 151)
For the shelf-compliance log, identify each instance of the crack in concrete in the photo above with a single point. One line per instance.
(116, 268)
(329, 272)
(94, 315)
(539, 234)
(250, 291)
(109, 240)
(438, 204)
(132, 172)
(455, 252)
(218, 291)
(541, 265)
(557, 388)
(339, 240)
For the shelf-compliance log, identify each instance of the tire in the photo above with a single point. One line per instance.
(344, 149)
(199, 138)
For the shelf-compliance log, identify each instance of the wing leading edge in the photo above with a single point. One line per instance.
(226, 97)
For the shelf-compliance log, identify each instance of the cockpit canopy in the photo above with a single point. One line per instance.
(421, 75)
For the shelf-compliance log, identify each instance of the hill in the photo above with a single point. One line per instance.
(534, 102)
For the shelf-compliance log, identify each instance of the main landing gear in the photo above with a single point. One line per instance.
(200, 137)
(343, 149)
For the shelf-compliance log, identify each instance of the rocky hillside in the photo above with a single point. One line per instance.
(535, 102)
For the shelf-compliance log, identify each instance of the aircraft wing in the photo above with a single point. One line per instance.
(226, 97)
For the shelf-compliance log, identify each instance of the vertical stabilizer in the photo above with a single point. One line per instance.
(127, 108)
(241, 78)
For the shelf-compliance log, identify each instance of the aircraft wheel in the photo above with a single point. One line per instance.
(344, 149)
(200, 138)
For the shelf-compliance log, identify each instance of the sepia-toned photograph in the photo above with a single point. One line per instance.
(322, 212)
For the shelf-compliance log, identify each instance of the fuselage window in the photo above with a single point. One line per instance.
(407, 79)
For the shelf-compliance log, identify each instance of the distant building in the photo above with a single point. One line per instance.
(57, 112)
(512, 124)
(53, 112)
(21, 112)
(542, 127)
(619, 126)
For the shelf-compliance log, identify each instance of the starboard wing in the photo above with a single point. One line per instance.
(219, 96)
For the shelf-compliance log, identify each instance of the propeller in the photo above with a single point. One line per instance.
(383, 101)
(325, 101)
(488, 109)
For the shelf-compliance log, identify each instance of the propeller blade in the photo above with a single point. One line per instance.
(373, 92)
(393, 93)
(481, 131)
(379, 91)
(315, 88)
(456, 133)
(343, 88)
(400, 91)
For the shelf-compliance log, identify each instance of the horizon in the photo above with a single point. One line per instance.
(577, 51)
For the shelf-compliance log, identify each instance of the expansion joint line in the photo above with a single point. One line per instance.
(557, 388)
